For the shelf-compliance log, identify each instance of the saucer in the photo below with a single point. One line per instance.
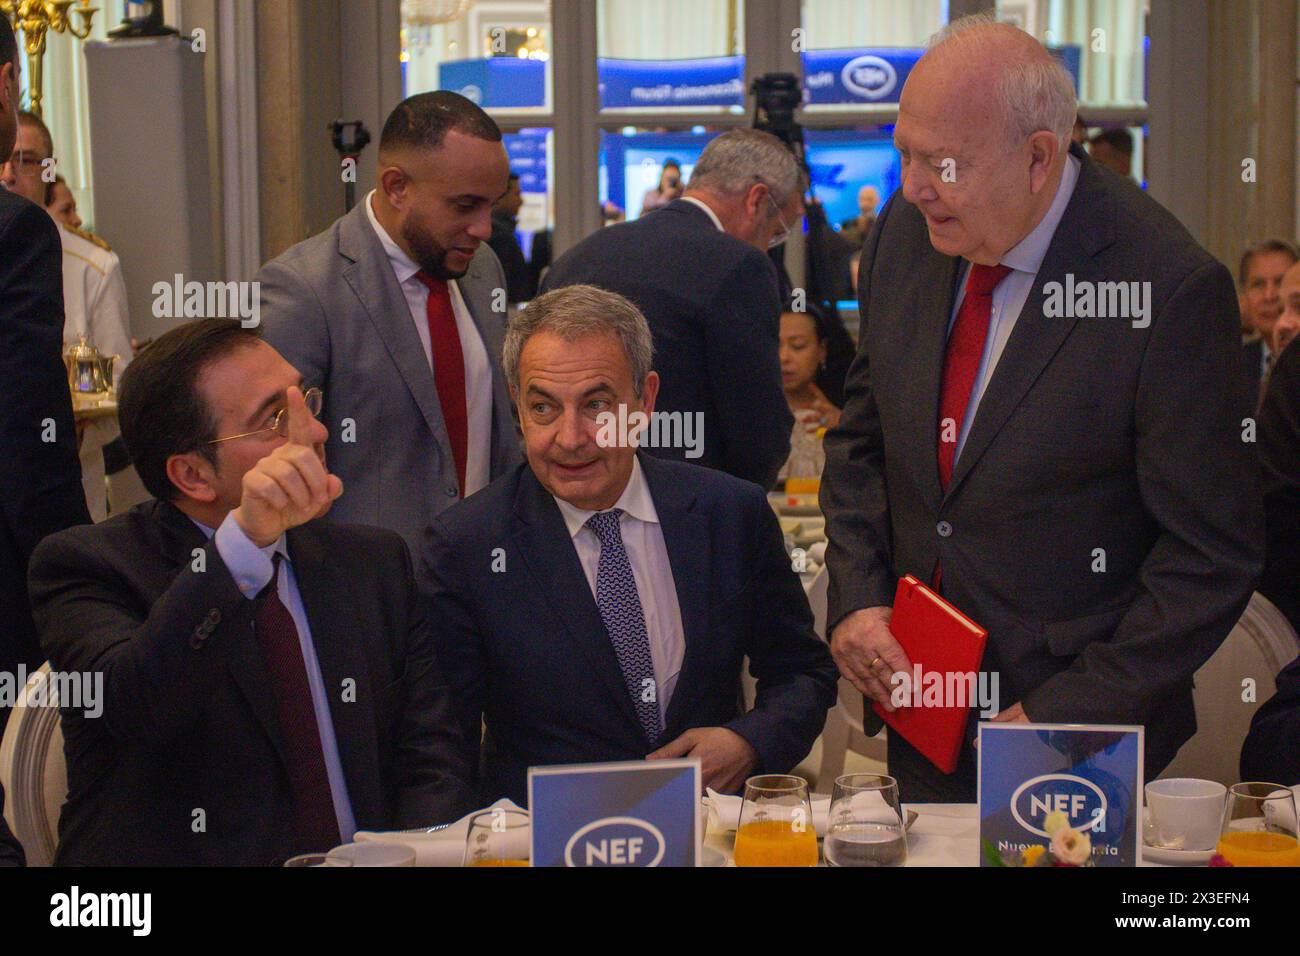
(1173, 857)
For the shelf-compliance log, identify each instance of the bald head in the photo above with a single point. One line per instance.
(984, 123)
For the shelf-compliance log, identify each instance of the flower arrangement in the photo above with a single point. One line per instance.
(1068, 847)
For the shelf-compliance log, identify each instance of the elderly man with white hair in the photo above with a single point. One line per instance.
(1044, 420)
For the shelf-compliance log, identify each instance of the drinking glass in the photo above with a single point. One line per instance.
(776, 825)
(498, 837)
(1259, 826)
(866, 822)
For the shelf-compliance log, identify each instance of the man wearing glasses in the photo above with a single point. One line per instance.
(266, 692)
(698, 270)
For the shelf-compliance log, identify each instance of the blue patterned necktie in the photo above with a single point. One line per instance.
(620, 609)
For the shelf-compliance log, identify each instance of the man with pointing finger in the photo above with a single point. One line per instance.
(264, 694)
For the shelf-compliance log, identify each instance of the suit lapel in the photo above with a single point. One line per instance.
(1084, 230)
(180, 537)
(686, 537)
(920, 381)
(326, 597)
(368, 272)
(544, 543)
(478, 296)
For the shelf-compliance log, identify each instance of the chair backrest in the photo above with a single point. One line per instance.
(32, 768)
(1260, 645)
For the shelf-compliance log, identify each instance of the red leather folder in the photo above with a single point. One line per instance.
(943, 641)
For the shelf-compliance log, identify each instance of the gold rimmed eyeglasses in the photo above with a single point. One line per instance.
(279, 422)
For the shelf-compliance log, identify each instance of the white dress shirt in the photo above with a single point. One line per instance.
(478, 371)
(643, 540)
(1012, 292)
(252, 567)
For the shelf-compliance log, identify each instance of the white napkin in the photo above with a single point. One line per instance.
(445, 847)
(1279, 813)
(724, 811)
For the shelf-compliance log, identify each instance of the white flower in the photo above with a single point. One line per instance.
(1071, 846)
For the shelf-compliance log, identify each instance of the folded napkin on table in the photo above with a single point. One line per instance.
(445, 847)
(724, 811)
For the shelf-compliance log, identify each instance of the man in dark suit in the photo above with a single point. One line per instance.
(40, 476)
(265, 693)
(1060, 454)
(521, 281)
(1260, 275)
(698, 270)
(596, 604)
(1278, 441)
(397, 312)
(1271, 750)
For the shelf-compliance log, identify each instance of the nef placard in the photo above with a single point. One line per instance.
(632, 814)
(1069, 794)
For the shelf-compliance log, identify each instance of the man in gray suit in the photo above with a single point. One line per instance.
(1044, 420)
(397, 312)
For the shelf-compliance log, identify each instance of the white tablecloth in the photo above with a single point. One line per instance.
(944, 834)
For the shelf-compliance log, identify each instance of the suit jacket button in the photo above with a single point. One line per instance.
(214, 618)
(944, 529)
(452, 491)
(197, 638)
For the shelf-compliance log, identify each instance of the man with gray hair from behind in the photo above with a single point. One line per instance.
(1044, 421)
(596, 602)
(698, 269)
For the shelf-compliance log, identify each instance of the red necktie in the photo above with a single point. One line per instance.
(316, 825)
(961, 362)
(448, 370)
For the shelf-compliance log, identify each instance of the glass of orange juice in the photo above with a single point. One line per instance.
(776, 825)
(498, 837)
(1259, 826)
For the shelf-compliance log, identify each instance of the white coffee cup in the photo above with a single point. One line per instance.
(1186, 813)
(373, 854)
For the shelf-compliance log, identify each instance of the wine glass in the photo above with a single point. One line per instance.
(776, 825)
(1259, 826)
(866, 822)
(498, 837)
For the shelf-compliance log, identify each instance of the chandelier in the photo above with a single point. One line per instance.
(428, 13)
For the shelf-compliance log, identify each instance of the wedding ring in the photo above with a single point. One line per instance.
(872, 665)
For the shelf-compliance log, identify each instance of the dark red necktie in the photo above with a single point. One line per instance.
(961, 362)
(448, 370)
(313, 803)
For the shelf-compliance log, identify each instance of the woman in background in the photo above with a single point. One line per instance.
(670, 187)
(803, 356)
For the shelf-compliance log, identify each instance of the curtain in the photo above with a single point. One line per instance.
(666, 29)
(65, 106)
(846, 24)
(1113, 77)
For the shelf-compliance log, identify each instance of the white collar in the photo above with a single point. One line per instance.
(403, 265)
(635, 501)
(705, 206)
(1028, 254)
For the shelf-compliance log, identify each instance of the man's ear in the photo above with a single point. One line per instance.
(6, 79)
(193, 476)
(649, 392)
(393, 183)
(1042, 154)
